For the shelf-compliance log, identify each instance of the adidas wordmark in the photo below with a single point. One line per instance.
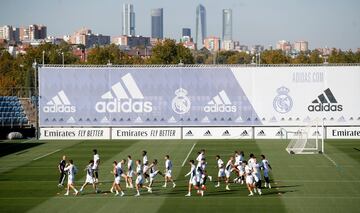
(325, 102)
(220, 103)
(131, 100)
(59, 103)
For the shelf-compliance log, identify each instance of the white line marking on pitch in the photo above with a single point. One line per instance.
(331, 160)
(28, 140)
(47, 154)
(182, 165)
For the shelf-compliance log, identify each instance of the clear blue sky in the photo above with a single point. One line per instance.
(332, 23)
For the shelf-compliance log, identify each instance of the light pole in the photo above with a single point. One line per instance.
(22, 71)
(43, 57)
(35, 66)
(63, 61)
(253, 61)
(325, 57)
(259, 58)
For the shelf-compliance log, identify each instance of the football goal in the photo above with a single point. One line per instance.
(307, 139)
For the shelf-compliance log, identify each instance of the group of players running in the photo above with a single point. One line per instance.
(145, 172)
(248, 172)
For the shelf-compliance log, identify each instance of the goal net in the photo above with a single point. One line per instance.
(306, 140)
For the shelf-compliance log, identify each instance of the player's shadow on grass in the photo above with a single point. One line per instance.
(275, 190)
(278, 192)
(287, 186)
(223, 192)
(10, 148)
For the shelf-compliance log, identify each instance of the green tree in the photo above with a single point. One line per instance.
(11, 74)
(274, 57)
(302, 58)
(7, 74)
(200, 56)
(222, 56)
(239, 58)
(106, 54)
(168, 52)
(315, 57)
(339, 56)
(357, 56)
(52, 54)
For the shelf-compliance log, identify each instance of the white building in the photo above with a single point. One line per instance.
(6, 32)
(283, 45)
(301, 46)
(228, 45)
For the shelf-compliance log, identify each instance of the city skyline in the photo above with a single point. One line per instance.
(261, 22)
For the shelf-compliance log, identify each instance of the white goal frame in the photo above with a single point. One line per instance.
(303, 137)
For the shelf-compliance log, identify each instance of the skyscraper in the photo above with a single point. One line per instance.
(227, 25)
(200, 23)
(186, 32)
(128, 22)
(157, 24)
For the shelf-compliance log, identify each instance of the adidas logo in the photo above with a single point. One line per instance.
(279, 133)
(189, 133)
(298, 132)
(244, 133)
(316, 133)
(59, 103)
(124, 96)
(325, 102)
(226, 133)
(220, 103)
(261, 133)
(207, 133)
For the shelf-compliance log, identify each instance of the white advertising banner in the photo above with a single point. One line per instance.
(290, 96)
(287, 132)
(199, 96)
(343, 132)
(146, 133)
(217, 133)
(74, 133)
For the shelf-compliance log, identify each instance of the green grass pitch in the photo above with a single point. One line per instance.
(301, 183)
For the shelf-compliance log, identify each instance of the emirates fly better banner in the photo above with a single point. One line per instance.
(199, 96)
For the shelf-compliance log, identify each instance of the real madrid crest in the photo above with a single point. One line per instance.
(282, 102)
(181, 103)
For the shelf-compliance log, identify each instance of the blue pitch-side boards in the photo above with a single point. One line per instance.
(181, 96)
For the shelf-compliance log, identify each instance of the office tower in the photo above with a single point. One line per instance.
(200, 24)
(157, 23)
(227, 25)
(128, 22)
(186, 32)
